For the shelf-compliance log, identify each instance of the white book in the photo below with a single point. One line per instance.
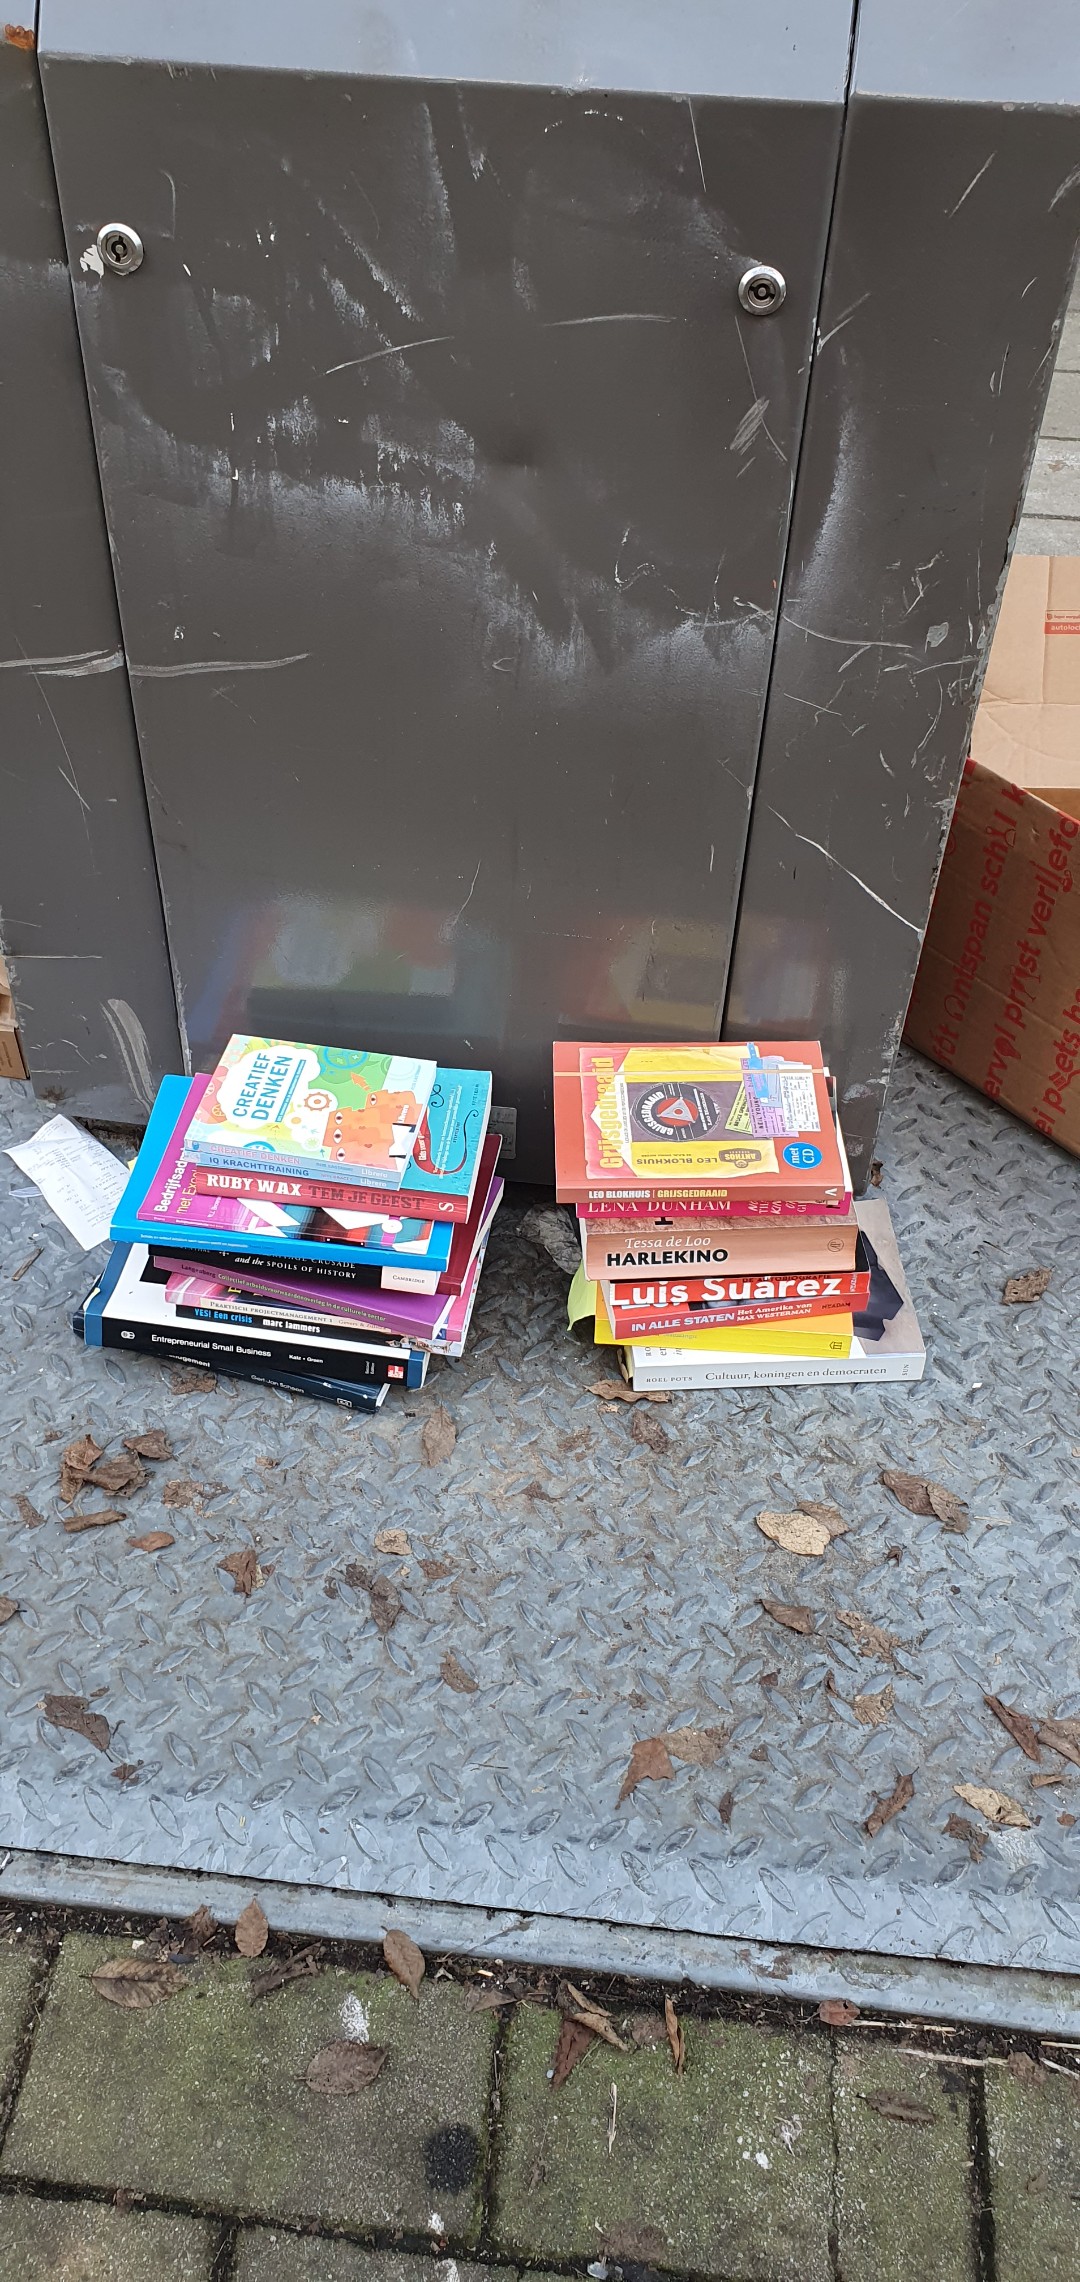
(898, 1354)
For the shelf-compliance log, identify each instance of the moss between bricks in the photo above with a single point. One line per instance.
(724, 2171)
(90, 2242)
(203, 2100)
(903, 2191)
(19, 1963)
(1034, 2136)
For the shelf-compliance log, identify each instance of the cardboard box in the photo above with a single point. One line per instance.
(997, 994)
(11, 1055)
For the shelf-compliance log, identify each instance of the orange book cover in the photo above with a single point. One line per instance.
(713, 1122)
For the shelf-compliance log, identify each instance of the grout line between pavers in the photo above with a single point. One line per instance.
(834, 2177)
(223, 2262)
(982, 2215)
(40, 1983)
(498, 2057)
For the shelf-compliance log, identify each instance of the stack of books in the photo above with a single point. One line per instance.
(720, 1243)
(310, 1217)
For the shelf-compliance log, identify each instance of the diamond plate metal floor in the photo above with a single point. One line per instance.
(600, 1591)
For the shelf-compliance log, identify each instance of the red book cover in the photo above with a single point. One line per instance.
(708, 1124)
(710, 1303)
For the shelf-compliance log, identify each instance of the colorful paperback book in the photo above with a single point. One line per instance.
(160, 1202)
(707, 1303)
(278, 1107)
(642, 1123)
(613, 1251)
(345, 1393)
(887, 1343)
(440, 1179)
(127, 1311)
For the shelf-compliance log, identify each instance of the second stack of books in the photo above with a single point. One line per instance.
(721, 1246)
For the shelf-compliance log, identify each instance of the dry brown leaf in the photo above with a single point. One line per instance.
(789, 1614)
(931, 1500)
(252, 1930)
(488, 2000)
(649, 1432)
(154, 1541)
(899, 2108)
(136, 1983)
(801, 1532)
(435, 1570)
(675, 2036)
(899, 1797)
(571, 2046)
(616, 1390)
(277, 1975)
(870, 1639)
(393, 1541)
(590, 2015)
(995, 1805)
(1017, 1724)
(154, 1444)
(405, 1960)
(439, 1437)
(117, 1475)
(951, 1511)
(75, 1464)
(385, 1600)
(838, 2012)
(75, 1523)
(650, 1762)
(245, 1571)
(876, 1170)
(909, 1489)
(186, 1380)
(1063, 1736)
(958, 1826)
(818, 1510)
(696, 1746)
(28, 1514)
(347, 2065)
(127, 1772)
(8, 1608)
(1026, 2070)
(1048, 1780)
(455, 1676)
(1021, 1290)
(725, 1807)
(202, 1926)
(74, 1712)
(873, 1711)
(181, 1491)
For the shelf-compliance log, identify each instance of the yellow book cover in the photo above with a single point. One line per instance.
(787, 1338)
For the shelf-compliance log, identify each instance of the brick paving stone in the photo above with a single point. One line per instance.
(19, 1962)
(263, 2256)
(203, 2099)
(1034, 2138)
(91, 2242)
(726, 2171)
(903, 2191)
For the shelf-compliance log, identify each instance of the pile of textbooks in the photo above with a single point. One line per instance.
(311, 1217)
(720, 1243)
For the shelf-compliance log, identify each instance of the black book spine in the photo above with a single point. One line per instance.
(215, 1350)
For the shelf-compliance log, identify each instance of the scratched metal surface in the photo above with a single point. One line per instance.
(600, 1592)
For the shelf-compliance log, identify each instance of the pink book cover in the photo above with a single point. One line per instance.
(172, 1196)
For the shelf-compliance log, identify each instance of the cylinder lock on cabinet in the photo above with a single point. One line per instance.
(762, 290)
(120, 247)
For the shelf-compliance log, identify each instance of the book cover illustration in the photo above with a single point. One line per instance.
(700, 1123)
(312, 1109)
(440, 1177)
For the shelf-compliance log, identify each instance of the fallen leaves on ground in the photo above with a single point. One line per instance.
(1003, 1812)
(873, 1711)
(806, 1531)
(958, 1826)
(385, 1600)
(393, 1541)
(8, 1608)
(589, 2014)
(405, 1960)
(788, 1613)
(185, 1380)
(299, 1967)
(675, 2036)
(202, 1926)
(899, 2108)
(649, 1432)
(929, 1499)
(252, 1930)
(695, 1746)
(1021, 1290)
(245, 1570)
(899, 1797)
(1063, 1736)
(154, 1541)
(555, 1232)
(28, 1514)
(1017, 1724)
(650, 1762)
(75, 1523)
(838, 2012)
(870, 1639)
(25, 1266)
(572, 2043)
(347, 2065)
(75, 1464)
(154, 1444)
(456, 1676)
(117, 1475)
(74, 1712)
(725, 1807)
(876, 1170)
(434, 1571)
(616, 1390)
(127, 1771)
(136, 1983)
(479, 2000)
(439, 1437)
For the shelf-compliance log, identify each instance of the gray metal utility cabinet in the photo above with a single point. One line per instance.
(559, 466)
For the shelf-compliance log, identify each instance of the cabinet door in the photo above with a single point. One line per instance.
(449, 488)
